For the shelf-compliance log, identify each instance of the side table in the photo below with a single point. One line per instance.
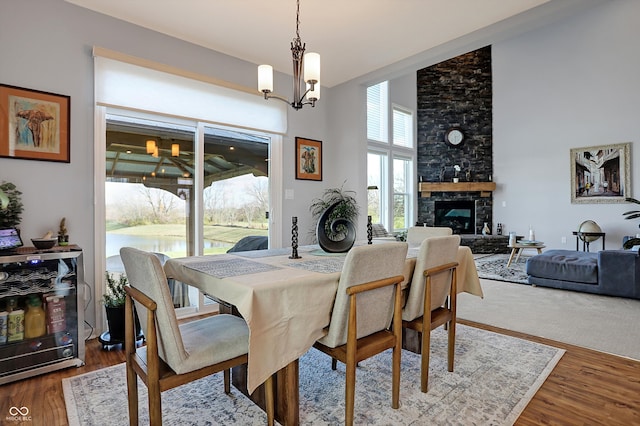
(518, 247)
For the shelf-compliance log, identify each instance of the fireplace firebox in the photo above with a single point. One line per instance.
(459, 215)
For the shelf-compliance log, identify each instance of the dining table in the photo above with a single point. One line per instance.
(286, 303)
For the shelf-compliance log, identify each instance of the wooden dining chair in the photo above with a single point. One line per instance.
(175, 354)
(432, 297)
(367, 299)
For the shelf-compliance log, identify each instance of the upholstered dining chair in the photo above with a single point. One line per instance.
(431, 301)
(175, 354)
(416, 234)
(367, 300)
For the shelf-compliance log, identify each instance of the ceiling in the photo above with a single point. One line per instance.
(353, 37)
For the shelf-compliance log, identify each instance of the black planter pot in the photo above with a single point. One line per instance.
(115, 322)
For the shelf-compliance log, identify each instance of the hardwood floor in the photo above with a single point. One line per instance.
(585, 388)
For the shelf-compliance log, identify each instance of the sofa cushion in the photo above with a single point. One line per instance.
(566, 265)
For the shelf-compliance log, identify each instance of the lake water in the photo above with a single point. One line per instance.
(175, 245)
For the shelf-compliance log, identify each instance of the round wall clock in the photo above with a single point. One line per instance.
(454, 136)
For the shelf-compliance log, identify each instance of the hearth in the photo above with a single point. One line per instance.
(459, 215)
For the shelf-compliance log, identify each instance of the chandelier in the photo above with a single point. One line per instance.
(303, 64)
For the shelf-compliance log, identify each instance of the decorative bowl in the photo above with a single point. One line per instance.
(44, 243)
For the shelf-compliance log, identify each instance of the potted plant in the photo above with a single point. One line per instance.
(632, 214)
(335, 212)
(113, 301)
(11, 205)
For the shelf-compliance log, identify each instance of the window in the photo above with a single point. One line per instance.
(376, 169)
(377, 105)
(402, 127)
(390, 166)
(402, 184)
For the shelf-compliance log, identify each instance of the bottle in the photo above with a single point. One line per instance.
(532, 234)
(35, 324)
(3, 327)
(499, 229)
(485, 229)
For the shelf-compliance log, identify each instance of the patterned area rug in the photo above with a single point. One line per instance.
(494, 378)
(494, 267)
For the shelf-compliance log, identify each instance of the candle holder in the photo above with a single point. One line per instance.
(294, 238)
(369, 230)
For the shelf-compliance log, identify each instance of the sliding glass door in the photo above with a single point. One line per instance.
(179, 188)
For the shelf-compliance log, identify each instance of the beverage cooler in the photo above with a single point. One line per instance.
(41, 311)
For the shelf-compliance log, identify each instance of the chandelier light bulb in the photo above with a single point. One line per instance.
(265, 78)
(311, 67)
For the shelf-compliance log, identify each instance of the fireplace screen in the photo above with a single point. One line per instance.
(457, 215)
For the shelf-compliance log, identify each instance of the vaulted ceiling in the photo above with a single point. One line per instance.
(353, 37)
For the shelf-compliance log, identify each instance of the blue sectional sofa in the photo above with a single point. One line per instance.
(608, 272)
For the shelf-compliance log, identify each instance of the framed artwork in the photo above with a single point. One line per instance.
(308, 159)
(601, 174)
(34, 125)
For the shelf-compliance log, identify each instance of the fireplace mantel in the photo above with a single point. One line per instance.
(485, 188)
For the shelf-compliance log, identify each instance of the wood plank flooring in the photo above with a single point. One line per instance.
(585, 388)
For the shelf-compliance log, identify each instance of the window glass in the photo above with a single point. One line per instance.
(402, 127)
(402, 184)
(377, 106)
(376, 177)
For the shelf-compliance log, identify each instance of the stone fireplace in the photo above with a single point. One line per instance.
(456, 93)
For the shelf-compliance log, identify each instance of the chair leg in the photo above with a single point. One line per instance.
(452, 344)
(395, 381)
(155, 404)
(426, 351)
(132, 393)
(334, 363)
(269, 400)
(227, 381)
(350, 393)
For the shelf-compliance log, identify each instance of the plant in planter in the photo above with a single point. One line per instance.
(113, 301)
(335, 213)
(11, 203)
(632, 214)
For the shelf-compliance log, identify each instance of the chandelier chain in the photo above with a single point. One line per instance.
(298, 20)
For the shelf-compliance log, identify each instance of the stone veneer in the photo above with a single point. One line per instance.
(456, 93)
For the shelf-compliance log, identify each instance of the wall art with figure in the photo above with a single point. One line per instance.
(601, 174)
(308, 159)
(34, 125)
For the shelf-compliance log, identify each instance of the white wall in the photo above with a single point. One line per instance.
(46, 45)
(561, 87)
(567, 85)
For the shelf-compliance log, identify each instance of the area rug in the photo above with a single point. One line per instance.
(494, 267)
(494, 378)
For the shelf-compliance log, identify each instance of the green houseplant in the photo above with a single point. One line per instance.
(347, 208)
(11, 205)
(631, 214)
(113, 301)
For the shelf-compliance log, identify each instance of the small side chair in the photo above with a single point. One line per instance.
(175, 354)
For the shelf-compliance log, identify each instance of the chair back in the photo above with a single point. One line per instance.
(416, 234)
(433, 251)
(145, 273)
(374, 308)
